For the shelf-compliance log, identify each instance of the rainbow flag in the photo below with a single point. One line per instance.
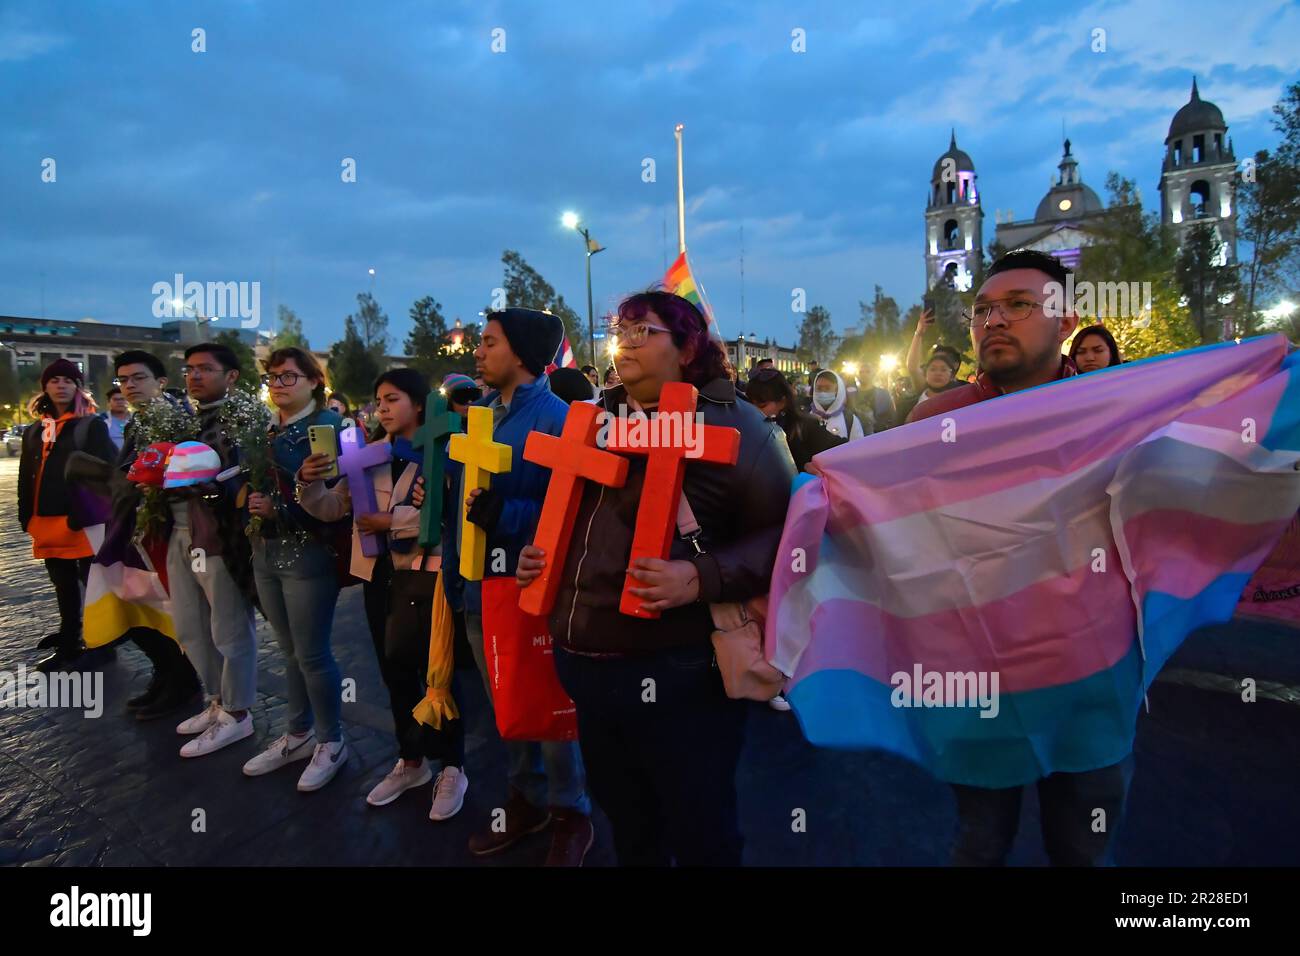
(990, 592)
(679, 280)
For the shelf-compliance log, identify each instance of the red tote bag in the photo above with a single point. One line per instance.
(529, 702)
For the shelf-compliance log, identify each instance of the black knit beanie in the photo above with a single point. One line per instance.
(534, 336)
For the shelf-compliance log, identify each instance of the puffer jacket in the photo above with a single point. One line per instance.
(741, 512)
(533, 408)
(43, 491)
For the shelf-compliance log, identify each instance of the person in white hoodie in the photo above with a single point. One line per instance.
(829, 406)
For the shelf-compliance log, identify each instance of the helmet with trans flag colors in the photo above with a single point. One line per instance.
(191, 463)
(151, 464)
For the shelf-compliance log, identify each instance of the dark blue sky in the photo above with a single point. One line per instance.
(225, 165)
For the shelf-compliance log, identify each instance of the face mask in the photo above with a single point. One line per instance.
(825, 399)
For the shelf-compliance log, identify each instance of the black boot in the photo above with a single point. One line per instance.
(65, 656)
(155, 647)
(179, 689)
(97, 657)
(156, 685)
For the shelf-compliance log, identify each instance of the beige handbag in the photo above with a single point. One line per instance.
(738, 648)
(738, 638)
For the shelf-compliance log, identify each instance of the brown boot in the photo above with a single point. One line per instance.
(571, 837)
(521, 819)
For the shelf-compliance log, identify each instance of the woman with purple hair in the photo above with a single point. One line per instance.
(664, 773)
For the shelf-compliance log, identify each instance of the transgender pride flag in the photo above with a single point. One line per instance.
(1065, 538)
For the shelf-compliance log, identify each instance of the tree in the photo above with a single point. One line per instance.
(817, 339)
(1268, 203)
(1132, 246)
(288, 330)
(526, 289)
(880, 332)
(250, 378)
(371, 323)
(952, 326)
(1206, 280)
(436, 350)
(428, 336)
(353, 368)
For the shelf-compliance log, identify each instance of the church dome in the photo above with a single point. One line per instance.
(961, 158)
(1196, 116)
(1070, 197)
(1068, 202)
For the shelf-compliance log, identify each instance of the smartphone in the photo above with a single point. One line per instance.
(325, 441)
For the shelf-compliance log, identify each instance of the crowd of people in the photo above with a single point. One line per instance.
(664, 776)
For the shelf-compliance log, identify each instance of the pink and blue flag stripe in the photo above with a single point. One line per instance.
(1065, 539)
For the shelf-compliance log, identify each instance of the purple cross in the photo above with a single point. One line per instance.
(355, 462)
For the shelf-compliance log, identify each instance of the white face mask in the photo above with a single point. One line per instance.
(825, 399)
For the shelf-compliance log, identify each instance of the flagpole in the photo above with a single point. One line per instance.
(681, 194)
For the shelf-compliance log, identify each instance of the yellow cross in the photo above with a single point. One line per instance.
(482, 458)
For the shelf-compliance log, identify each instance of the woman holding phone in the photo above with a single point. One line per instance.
(401, 585)
(297, 584)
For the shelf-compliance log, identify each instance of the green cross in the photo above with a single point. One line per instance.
(440, 424)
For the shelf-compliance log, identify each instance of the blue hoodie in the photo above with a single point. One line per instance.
(534, 408)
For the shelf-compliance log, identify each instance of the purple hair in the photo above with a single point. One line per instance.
(689, 330)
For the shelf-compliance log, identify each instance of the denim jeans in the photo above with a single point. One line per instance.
(1074, 834)
(298, 600)
(214, 623)
(662, 769)
(546, 773)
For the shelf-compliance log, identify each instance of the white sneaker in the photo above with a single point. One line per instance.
(325, 763)
(779, 703)
(449, 793)
(200, 721)
(399, 780)
(226, 730)
(283, 752)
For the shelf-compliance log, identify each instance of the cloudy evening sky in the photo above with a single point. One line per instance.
(225, 165)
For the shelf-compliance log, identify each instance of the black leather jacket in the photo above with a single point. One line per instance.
(741, 512)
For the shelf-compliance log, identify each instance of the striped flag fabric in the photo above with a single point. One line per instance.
(563, 357)
(126, 586)
(680, 280)
(990, 593)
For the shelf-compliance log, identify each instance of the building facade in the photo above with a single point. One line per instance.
(1198, 179)
(954, 220)
(745, 353)
(92, 345)
(1197, 185)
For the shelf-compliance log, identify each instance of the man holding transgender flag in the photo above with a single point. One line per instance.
(991, 589)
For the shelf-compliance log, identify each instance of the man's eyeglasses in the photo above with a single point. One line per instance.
(287, 379)
(188, 370)
(1013, 310)
(139, 378)
(633, 336)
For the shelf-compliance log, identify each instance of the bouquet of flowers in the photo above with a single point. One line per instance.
(162, 420)
(246, 424)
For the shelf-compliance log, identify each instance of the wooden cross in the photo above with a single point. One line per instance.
(482, 458)
(356, 461)
(573, 458)
(656, 515)
(431, 438)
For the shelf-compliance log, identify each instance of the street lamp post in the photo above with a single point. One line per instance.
(572, 221)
